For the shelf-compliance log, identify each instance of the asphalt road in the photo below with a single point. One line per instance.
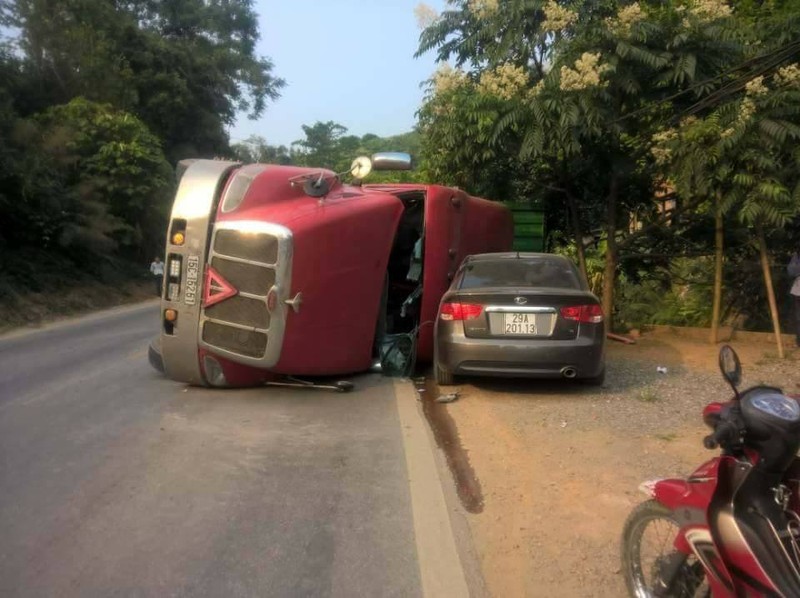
(117, 481)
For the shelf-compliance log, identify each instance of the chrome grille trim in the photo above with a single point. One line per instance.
(251, 295)
(234, 325)
(241, 260)
(282, 268)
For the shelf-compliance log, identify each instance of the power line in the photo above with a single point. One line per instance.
(784, 52)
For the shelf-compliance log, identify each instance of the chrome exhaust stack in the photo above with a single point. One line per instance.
(569, 372)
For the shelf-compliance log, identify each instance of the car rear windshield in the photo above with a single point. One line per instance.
(514, 272)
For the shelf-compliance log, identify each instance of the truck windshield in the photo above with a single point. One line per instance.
(513, 272)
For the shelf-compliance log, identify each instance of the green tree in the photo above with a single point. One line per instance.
(115, 174)
(458, 123)
(742, 156)
(185, 67)
(321, 145)
(255, 149)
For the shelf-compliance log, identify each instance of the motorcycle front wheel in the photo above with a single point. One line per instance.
(648, 555)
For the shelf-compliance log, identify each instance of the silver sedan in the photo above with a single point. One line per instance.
(519, 315)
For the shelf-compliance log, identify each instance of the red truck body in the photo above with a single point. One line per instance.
(265, 276)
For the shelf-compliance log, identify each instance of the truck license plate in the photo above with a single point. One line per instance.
(192, 273)
(520, 324)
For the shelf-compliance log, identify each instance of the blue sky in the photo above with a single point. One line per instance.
(348, 61)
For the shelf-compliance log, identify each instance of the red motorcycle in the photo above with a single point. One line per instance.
(732, 528)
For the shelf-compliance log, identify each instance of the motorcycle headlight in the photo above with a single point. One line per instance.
(777, 405)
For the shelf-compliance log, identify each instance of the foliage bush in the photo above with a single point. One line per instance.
(680, 296)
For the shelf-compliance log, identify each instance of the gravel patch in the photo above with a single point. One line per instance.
(560, 462)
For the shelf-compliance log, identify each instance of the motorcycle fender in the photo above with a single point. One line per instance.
(695, 492)
(690, 501)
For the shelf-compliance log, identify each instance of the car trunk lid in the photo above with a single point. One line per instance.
(523, 313)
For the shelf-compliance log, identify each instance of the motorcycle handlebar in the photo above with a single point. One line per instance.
(726, 432)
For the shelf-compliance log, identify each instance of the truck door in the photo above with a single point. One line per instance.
(444, 218)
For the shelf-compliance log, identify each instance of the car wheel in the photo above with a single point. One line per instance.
(596, 380)
(443, 378)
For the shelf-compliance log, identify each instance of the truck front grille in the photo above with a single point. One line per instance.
(256, 247)
(247, 278)
(240, 310)
(248, 261)
(243, 342)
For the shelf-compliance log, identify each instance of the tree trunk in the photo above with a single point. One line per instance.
(719, 256)
(610, 271)
(577, 232)
(773, 306)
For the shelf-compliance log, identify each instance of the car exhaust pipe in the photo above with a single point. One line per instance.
(569, 372)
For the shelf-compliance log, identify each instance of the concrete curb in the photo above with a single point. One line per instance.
(441, 571)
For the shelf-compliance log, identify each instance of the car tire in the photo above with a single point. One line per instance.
(443, 378)
(596, 380)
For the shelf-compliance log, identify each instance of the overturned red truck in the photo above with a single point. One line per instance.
(274, 272)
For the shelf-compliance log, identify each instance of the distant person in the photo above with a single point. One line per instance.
(157, 269)
(794, 272)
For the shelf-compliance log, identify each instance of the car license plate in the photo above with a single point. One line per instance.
(519, 324)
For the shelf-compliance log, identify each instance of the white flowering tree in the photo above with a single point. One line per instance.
(616, 77)
(609, 86)
(480, 34)
(458, 122)
(742, 156)
(763, 136)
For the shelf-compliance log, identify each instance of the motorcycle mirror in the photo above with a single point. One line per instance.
(730, 366)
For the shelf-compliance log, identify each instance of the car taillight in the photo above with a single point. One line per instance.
(460, 311)
(589, 314)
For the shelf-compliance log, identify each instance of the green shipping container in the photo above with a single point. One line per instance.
(528, 226)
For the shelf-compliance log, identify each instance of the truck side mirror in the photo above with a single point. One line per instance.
(391, 161)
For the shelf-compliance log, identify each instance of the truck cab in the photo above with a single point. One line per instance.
(275, 270)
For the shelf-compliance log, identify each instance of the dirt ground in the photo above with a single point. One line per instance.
(557, 465)
(30, 309)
